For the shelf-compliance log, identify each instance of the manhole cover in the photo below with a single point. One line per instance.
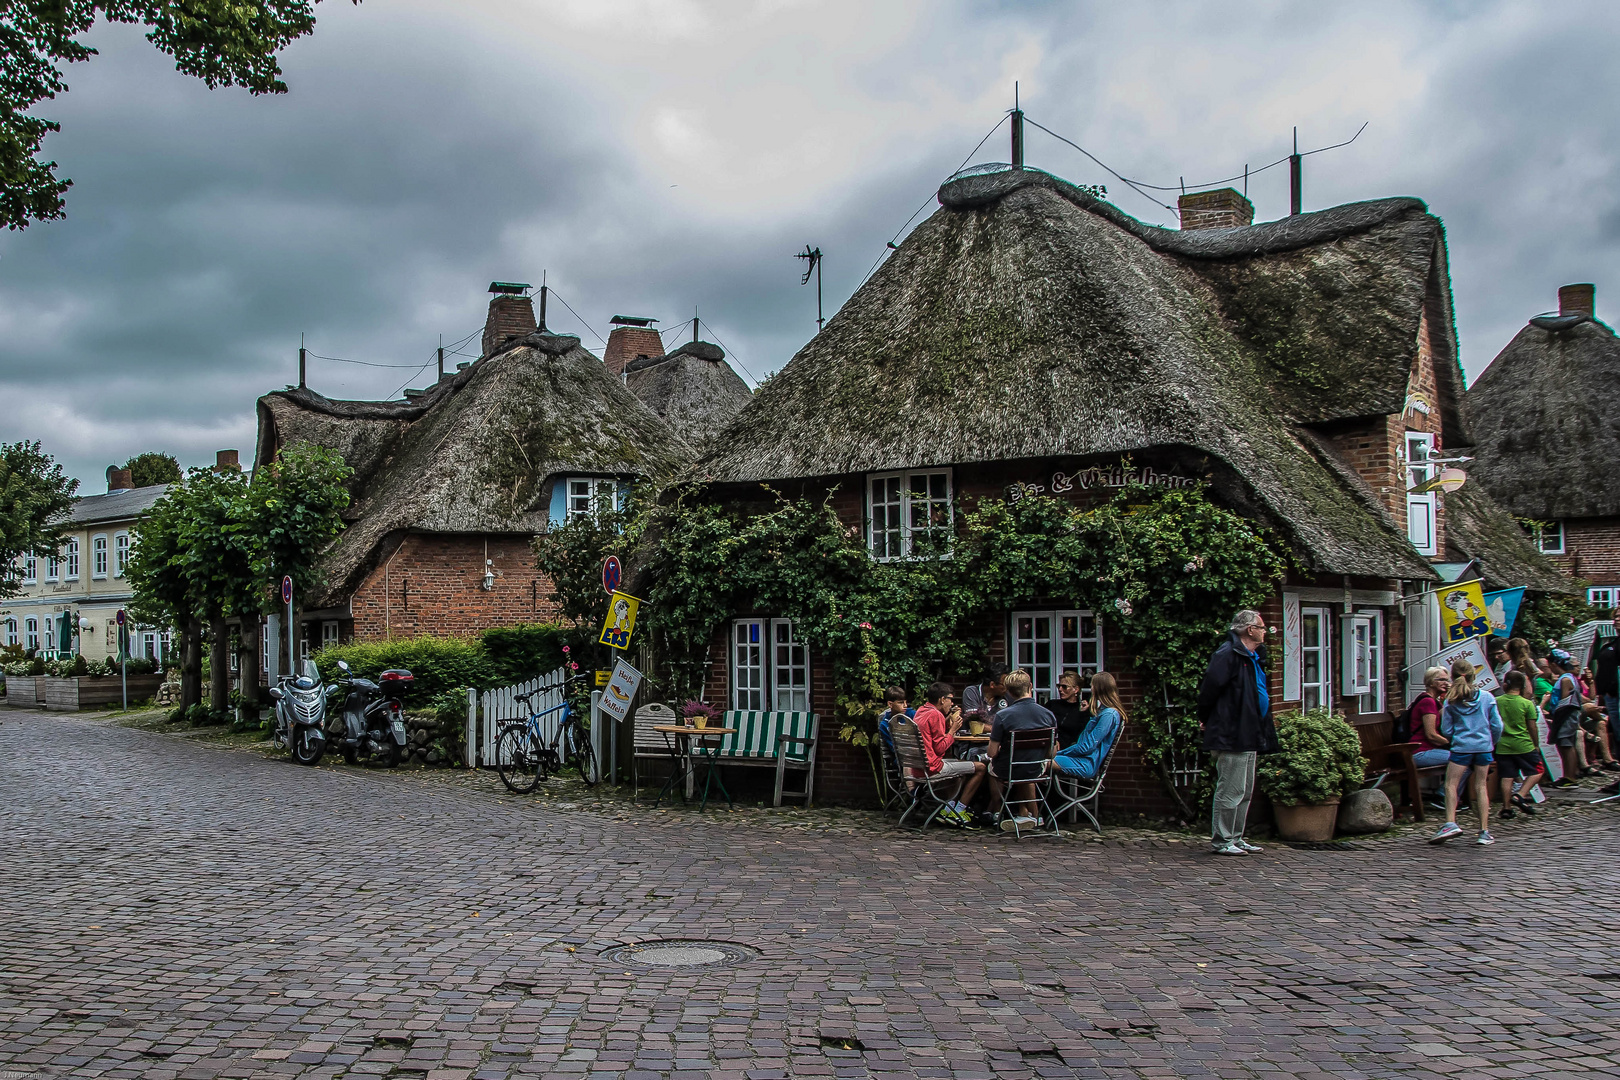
(680, 954)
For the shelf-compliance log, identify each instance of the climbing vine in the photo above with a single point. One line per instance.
(1167, 568)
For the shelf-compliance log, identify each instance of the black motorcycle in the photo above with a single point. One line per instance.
(371, 725)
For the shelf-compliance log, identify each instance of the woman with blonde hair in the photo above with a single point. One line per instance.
(1424, 717)
(1471, 721)
(1084, 759)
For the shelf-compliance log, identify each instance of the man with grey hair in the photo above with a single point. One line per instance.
(1234, 705)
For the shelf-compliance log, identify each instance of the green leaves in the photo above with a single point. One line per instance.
(34, 493)
(1320, 759)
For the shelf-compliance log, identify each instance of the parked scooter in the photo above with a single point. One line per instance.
(301, 714)
(372, 724)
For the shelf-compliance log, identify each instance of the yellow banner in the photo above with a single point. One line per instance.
(1462, 612)
(621, 620)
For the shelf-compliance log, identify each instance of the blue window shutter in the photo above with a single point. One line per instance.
(559, 501)
(624, 495)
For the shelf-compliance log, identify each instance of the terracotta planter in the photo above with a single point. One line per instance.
(1306, 822)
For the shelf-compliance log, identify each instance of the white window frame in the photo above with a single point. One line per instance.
(1550, 538)
(1601, 596)
(72, 572)
(53, 567)
(120, 553)
(31, 633)
(769, 667)
(1422, 525)
(1048, 643)
(98, 557)
(1372, 702)
(12, 637)
(894, 513)
(583, 494)
(1321, 688)
(331, 633)
(1358, 644)
(30, 570)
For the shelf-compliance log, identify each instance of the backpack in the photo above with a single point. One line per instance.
(1406, 726)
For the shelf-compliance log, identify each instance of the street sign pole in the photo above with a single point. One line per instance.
(287, 598)
(123, 659)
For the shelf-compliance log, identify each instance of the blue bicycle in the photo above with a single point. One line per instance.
(524, 757)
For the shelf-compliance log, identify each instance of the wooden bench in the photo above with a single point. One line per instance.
(779, 740)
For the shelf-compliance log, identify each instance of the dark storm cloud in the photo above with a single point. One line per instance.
(652, 157)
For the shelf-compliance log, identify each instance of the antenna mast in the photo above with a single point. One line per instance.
(1017, 131)
(812, 263)
(542, 299)
(1294, 176)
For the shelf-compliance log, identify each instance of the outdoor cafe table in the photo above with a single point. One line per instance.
(679, 738)
(966, 744)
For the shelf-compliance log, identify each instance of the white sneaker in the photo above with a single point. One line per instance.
(1252, 849)
(1228, 849)
(1014, 823)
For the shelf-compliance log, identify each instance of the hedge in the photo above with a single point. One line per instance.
(499, 657)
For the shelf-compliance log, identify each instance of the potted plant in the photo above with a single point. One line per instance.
(1319, 763)
(698, 713)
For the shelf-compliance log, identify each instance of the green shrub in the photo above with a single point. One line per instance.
(67, 667)
(1320, 759)
(499, 657)
(519, 653)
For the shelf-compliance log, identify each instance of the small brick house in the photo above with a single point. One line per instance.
(1031, 338)
(451, 483)
(1547, 444)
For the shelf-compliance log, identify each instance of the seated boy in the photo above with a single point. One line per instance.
(938, 720)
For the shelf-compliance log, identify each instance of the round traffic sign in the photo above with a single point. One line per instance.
(120, 616)
(612, 573)
(286, 590)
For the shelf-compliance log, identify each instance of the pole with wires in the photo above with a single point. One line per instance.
(1294, 179)
(300, 366)
(1017, 132)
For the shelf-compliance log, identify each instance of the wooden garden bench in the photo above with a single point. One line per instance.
(779, 740)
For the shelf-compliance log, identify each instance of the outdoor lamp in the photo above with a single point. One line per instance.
(1446, 480)
(85, 624)
(489, 574)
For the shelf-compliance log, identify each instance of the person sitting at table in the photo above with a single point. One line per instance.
(1072, 709)
(1023, 713)
(938, 720)
(1085, 755)
(981, 703)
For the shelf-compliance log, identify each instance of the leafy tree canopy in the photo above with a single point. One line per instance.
(221, 42)
(34, 493)
(151, 468)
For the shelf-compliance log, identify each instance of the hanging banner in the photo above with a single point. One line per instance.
(1462, 612)
(621, 690)
(1473, 650)
(1502, 609)
(621, 620)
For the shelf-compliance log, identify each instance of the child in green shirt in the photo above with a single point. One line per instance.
(1517, 756)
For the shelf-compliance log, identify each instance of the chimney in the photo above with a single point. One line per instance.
(225, 461)
(631, 338)
(119, 479)
(511, 314)
(1578, 300)
(1222, 208)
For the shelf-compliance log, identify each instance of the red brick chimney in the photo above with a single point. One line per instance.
(1222, 208)
(225, 461)
(630, 339)
(119, 479)
(1578, 300)
(511, 315)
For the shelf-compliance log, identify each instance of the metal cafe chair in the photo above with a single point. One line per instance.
(1075, 795)
(913, 762)
(1027, 753)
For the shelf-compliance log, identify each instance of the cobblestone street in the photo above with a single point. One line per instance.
(178, 910)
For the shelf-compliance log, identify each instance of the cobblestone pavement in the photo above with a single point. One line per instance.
(180, 910)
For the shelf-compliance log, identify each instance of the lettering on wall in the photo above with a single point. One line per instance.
(1116, 476)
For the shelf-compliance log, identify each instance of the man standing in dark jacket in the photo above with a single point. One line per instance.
(1234, 706)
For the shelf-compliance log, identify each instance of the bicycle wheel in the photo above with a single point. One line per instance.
(581, 754)
(519, 760)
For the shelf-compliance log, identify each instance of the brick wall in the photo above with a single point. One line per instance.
(432, 584)
(1591, 550)
(626, 343)
(509, 317)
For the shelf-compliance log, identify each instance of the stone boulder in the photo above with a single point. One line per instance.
(1366, 811)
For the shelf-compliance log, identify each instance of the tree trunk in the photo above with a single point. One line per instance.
(250, 667)
(219, 666)
(191, 663)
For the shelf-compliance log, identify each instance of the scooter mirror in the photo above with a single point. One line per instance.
(275, 693)
(343, 667)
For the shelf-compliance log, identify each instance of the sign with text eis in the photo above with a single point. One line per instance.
(621, 620)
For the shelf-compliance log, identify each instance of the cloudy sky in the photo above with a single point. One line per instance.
(655, 156)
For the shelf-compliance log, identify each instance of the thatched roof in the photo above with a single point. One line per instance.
(474, 455)
(1481, 529)
(1027, 320)
(692, 388)
(1546, 430)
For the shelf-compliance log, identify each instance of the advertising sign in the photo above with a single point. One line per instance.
(621, 690)
(1473, 650)
(1502, 609)
(602, 678)
(1462, 612)
(621, 620)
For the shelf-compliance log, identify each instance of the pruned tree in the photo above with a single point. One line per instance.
(34, 496)
(152, 468)
(221, 42)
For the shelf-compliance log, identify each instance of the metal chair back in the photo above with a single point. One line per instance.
(1028, 750)
(908, 748)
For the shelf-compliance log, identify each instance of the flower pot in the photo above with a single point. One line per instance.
(1309, 822)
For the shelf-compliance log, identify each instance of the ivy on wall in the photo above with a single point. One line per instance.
(1166, 568)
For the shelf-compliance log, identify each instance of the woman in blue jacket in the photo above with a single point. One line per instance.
(1470, 720)
(1085, 757)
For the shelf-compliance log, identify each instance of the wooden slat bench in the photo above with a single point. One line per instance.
(779, 740)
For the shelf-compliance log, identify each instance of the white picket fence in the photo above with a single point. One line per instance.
(487, 708)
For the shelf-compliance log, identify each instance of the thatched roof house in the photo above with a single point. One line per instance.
(693, 389)
(1026, 320)
(484, 453)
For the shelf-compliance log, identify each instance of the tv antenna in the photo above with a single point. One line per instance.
(812, 265)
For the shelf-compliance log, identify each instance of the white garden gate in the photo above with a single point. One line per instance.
(487, 708)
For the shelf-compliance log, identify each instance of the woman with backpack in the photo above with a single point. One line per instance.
(1568, 710)
(1422, 721)
(1471, 721)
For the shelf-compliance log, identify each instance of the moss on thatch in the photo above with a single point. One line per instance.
(1480, 528)
(1545, 424)
(692, 388)
(1035, 325)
